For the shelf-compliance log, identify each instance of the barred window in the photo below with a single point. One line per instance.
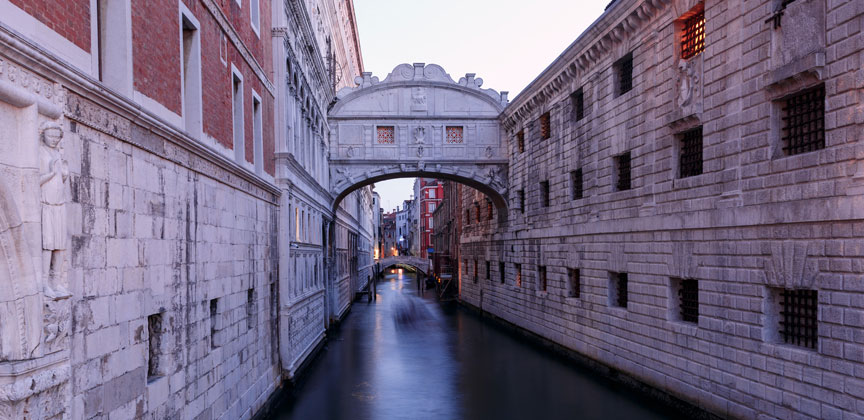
(541, 278)
(520, 140)
(624, 73)
(575, 280)
(688, 298)
(518, 275)
(454, 135)
(578, 101)
(545, 126)
(804, 121)
(386, 135)
(623, 182)
(501, 272)
(618, 289)
(693, 35)
(690, 163)
(544, 193)
(576, 183)
(798, 317)
(521, 197)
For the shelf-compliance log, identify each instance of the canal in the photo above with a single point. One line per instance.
(405, 356)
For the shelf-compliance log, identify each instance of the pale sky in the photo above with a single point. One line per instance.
(506, 42)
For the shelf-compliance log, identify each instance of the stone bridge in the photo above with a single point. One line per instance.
(421, 264)
(418, 122)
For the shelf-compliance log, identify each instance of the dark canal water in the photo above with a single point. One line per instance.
(407, 357)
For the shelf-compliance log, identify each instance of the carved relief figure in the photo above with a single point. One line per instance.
(418, 99)
(53, 173)
(689, 81)
(420, 135)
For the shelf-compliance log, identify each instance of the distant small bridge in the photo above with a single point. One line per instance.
(422, 265)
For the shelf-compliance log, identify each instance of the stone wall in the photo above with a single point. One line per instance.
(753, 223)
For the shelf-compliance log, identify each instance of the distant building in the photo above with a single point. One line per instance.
(447, 228)
(430, 195)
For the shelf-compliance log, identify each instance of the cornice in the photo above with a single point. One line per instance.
(226, 27)
(613, 27)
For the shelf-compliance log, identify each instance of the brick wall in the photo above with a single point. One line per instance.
(754, 222)
(69, 18)
(156, 51)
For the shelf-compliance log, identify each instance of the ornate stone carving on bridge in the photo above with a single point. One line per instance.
(420, 103)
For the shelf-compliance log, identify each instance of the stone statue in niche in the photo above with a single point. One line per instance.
(53, 173)
(688, 82)
(489, 151)
(350, 151)
(420, 151)
(418, 99)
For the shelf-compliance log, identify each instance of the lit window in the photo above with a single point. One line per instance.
(520, 141)
(545, 126)
(693, 36)
(386, 135)
(454, 135)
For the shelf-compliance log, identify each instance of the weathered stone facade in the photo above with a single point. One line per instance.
(758, 220)
(145, 257)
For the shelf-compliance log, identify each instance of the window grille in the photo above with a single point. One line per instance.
(386, 135)
(575, 278)
(691, 153)
(804, 121)
(520, 140)
(693, 36)
(623, 172)
(576, 183)
(521, 196)
(798, 317)
(578, 100)
(501, 272)
(688, 293)
(454, 135)
(518, 275)
(541, 277)
(544, 193)
(621, 288)
(545, 126)
(625, 74)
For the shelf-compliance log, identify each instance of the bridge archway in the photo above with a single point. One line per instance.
(420, 264)
(419, 122)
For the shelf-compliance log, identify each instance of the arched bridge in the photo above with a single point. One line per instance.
(421, 264)
(419, 122)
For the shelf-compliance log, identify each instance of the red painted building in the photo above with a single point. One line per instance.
(431, 194)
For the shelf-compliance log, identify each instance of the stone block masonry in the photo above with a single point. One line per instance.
(767, 225)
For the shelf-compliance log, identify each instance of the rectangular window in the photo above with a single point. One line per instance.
(520, 141)
(575, 282)
(214, 327)
(624, 74)
(501, 272)
(477, 211)
(386, 134)
(623, 172)
(545, 126)
(618, 289)
(192, 109)
(237, 114)
(686, 300)
(113, 32)
(690, 163)
(431, 207)
(544, 193)
(431, 225)
(798, 316)
(251, 318)
(475, 271)
(693, 35)
(576, 184)
(804, 121)
(431, 193)
(154, 345)
(541, 278)
(518, 275)
(521, 198)
(454, 135)
(254, 15)
(468, 216)
(489, 210)
(488, 271)
(577, 100)
(257, 134)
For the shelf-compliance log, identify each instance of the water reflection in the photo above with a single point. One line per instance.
(406, 357)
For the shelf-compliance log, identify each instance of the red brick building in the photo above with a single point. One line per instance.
(431, 194)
